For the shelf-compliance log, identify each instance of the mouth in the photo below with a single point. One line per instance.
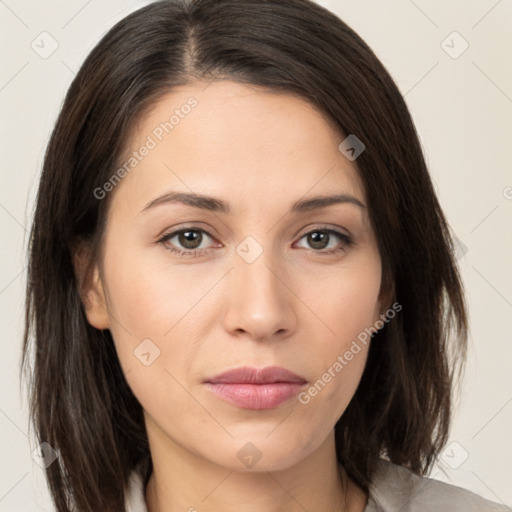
(253, 388)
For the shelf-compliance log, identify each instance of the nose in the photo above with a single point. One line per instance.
(260, 300)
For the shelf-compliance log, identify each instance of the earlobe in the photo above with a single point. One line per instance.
(90, 288)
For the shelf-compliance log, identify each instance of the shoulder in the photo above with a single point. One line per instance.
(396, 488)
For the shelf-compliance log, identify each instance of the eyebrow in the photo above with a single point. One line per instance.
(217, 205)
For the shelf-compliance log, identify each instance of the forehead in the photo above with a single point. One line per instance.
(226, 138)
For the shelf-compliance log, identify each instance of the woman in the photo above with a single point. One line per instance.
(241, 283)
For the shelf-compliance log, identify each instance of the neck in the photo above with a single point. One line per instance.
(183, 481)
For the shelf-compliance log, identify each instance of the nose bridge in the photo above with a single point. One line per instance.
(256, 267)
(259, 301)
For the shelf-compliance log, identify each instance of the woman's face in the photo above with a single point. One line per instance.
(258, 283)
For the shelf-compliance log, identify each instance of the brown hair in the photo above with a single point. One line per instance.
(80, 403)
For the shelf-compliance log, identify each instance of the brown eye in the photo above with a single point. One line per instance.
(187, 241)
(190, 239)
(319, 239)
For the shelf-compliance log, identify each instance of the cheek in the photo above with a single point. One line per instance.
(348, 307)
(149, 307)
(148, 298)
(347, 300)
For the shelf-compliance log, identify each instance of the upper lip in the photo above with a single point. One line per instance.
(250, 375)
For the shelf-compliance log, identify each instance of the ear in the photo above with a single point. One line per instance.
(90, 287)
(386, 293)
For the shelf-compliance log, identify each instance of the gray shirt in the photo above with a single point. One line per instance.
(394, 489)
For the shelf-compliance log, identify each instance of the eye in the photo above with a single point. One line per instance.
(320, 239)
(190, 240)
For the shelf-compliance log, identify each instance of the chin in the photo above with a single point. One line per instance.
(258, 453)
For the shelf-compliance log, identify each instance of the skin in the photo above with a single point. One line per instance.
(292, 306)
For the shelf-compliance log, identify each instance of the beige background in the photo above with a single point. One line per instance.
(462, 105)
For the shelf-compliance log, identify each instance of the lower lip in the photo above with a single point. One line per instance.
(256, 396)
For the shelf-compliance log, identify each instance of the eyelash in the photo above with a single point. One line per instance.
(348, 242)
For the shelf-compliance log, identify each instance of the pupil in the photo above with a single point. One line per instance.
(189, 243)
(318, 244)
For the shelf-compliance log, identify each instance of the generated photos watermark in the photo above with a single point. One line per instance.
(151, 142)
(363, 337)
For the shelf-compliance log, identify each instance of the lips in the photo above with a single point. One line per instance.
(253, 388)
(249, 375)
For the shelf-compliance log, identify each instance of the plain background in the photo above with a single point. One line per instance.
(461, 101)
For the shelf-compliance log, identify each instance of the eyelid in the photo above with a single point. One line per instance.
(183, 227)
(322, 227)
(176, 231)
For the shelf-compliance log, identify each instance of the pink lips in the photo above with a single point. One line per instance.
(253, 388)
